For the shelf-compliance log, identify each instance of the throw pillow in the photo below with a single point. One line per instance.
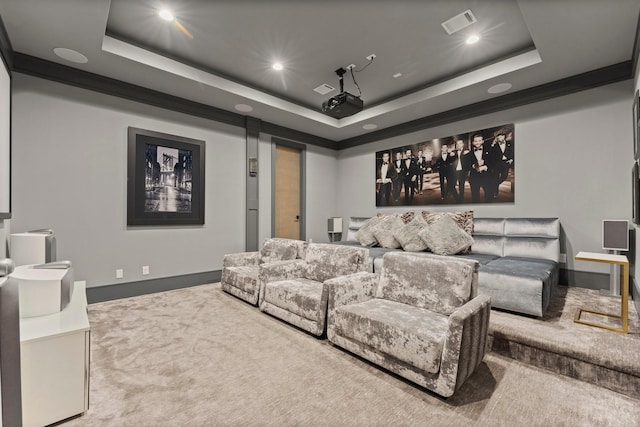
(463, 219)
(365, 234)
(444, 237)
(407, 217)
(384, 230)
(408, 236)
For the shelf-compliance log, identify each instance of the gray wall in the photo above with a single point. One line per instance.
(69, 173)
(573, 161)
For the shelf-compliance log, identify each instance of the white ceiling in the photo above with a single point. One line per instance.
(228, 61)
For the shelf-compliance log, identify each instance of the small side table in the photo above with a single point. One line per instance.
(624, 309)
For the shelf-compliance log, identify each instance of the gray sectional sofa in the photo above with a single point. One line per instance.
(519, 260)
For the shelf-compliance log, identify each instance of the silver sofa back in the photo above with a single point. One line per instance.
(517, 237)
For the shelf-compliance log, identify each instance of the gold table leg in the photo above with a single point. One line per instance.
(624, 309)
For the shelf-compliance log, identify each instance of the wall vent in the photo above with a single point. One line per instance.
(324, 89)
(459, 22)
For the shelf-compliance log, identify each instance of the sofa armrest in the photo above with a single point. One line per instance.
(349, 289)
(466, 341)
(279, 270)
(241, 259)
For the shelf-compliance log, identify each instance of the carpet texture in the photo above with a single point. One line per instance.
(555, 342)
(200, 357)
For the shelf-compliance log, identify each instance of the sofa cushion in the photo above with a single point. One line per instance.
(325, 261)
(410, 334)
(244, 278)
(385, 229)
(488, 226)
(276, 249)
(408, 236)
(299, 296)
(355, 223)
(523, 285)
(490, 245)
(532, 247)
(365, 233)
(532, 227)
(444, 237)
(481, 258)
(440, 284)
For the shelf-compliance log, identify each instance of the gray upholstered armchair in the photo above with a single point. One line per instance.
(419, 318)
(240, 270)
(294, 291)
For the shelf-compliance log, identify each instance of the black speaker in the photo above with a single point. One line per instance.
(615, 235)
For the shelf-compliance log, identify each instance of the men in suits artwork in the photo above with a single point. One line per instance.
(458, 171)
(397, 177)
(385, 176)
(475, 167)
(479, 163)
(409, 172)
(443, 165)
(502, 155)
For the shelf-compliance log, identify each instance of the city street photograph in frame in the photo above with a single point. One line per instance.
(472, 167)
(165, 179)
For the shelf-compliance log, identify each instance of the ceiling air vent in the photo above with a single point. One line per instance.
(324, 89)
(459, 22)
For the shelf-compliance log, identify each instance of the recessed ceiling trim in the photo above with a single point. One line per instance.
(143, 56)
(497, 69)
(146, 57)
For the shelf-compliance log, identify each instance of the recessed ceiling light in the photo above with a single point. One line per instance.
(166, 15)
(500, 87)
(277, 66)
(70, 55)
(396, 75)
(369, 126)
(473, 39)
(244, 108)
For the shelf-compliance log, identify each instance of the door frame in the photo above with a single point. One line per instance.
(303, 180)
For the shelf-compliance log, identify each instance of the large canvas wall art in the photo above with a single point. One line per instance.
(165, 179)
(474, 167)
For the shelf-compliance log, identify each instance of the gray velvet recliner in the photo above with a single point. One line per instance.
(294, 291)
(240, 270)
(419, 318)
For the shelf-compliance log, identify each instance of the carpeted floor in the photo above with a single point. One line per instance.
(200, 357)
(592, 354)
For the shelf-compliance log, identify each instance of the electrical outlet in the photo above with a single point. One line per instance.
(119, 273)
(563, 258)
(145, 270)
(350, 66)
(370, 57)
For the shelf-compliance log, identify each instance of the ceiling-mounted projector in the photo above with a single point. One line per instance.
(343, 104)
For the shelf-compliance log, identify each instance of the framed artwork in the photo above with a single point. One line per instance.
(635, 187)
(471, 167)
(165, 179)
(636, 129)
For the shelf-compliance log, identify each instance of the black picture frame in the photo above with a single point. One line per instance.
(636, 124)
(635, 187)
(166, 192)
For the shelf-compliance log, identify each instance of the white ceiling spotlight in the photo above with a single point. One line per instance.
(370, 126)
(473, 39)
(277, 66)
(166, 15)
(500, 87)
(70, 55)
